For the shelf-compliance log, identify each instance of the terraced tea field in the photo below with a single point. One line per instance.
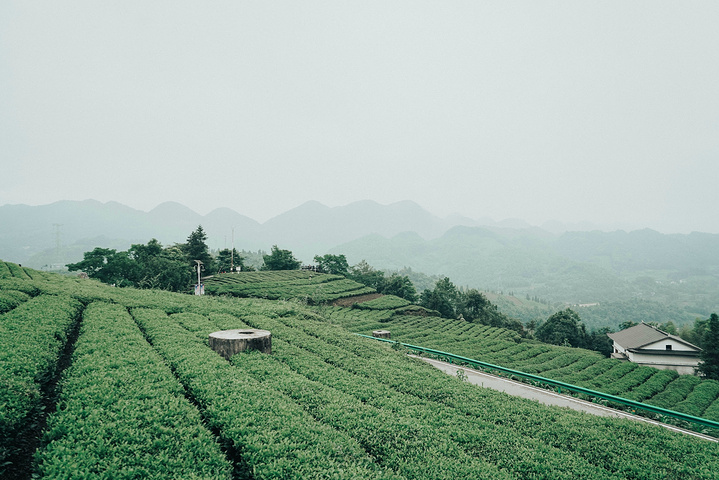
(310, 286)
(585, 368)
(141, 395)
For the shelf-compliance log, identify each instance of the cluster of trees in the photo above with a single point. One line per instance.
(468, 304)
(566, 328)
(395, 284)
(279, 259)
(173, 267)
(156, 266)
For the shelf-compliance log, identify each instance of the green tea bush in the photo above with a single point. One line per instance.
(122, 414)
(32, 337)
(10, 299)
(275, 437)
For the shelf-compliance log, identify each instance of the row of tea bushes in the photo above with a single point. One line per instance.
(575, 366)
(32, 338)
(701, 399)
(5, 270)
(392, 426)
(274, 436)
(319, 367)
(10, 299)
(324, 404)
(122, 414)
(622, 449)
(8, 270)
(289, 284)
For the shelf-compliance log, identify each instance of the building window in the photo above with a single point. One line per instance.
(669, 347)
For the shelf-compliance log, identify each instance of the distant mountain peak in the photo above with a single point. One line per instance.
(406, 204)
(172, 208)
(312, 204)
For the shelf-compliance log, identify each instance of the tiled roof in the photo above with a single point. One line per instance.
(641, 335)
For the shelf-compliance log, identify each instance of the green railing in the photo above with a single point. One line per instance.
(662, 412)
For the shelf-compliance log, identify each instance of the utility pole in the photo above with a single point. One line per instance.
(199, 288)
(232, 252)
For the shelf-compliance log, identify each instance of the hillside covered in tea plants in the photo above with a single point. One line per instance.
(417, 326)
(103, 382)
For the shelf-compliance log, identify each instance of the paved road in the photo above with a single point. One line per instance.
(547, 397)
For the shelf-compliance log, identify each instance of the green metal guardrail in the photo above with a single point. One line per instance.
(557, 384)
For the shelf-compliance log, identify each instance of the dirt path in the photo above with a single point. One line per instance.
(349, 301)
(548, 397)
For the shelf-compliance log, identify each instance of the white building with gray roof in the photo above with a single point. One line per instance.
(646, 345)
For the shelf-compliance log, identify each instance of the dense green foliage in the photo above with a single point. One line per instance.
(396, 284)
(10, 299)
(229, 259)
(324, 404)
(121, 401)
(332, 264)
(196, 249)
(280, 260)
(470, 305)
(709, 365)
(32, 337)
(563, 328)
(151, 265)
(142, 266)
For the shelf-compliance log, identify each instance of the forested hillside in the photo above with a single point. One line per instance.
(643, 273)
(141, 395)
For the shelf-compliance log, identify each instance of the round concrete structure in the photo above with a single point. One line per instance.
(230, 342)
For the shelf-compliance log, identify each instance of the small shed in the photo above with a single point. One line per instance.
(646, 345)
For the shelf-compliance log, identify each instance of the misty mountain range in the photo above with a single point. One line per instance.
(569, 266)
(310, 229)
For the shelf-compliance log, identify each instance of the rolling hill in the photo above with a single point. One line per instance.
(141, 395)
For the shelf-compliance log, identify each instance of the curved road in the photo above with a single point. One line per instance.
(547, 397)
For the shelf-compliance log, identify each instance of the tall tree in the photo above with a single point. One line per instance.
(280, 260)
(108, 265)
(709, 365)
(163, 268)
(562, 328)
(365, 274)
(443, 298)
(400, 286)
(142, 253)
(196, 249)
(334, 264)
(598, 341)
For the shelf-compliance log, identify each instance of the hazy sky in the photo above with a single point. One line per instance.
(604, 111)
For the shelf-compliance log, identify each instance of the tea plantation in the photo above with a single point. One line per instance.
(413, 325)
(103, 382)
